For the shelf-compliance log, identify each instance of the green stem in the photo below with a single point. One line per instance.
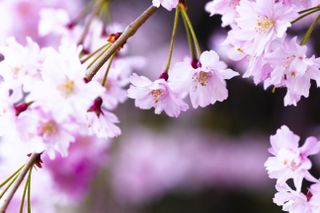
(10, 184)
(191, 44)
(24, 193)
(107, 70)
(193, 34)
(307, 10)
(99, 56)
(173, 38)
(12, 176)
(309, 32)
(95, 52)
(29, 191)
(305, 15)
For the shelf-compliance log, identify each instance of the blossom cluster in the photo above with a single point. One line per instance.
(291, 162)
(259, 37)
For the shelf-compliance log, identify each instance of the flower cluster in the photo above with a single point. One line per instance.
(291, 162)
(258, 35)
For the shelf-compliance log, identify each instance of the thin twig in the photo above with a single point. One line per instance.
(129, 32)
(34, 157)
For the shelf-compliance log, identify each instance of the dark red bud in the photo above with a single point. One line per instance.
(309, 196)
(195, 63)
(19, 108)
(164, 76)
(96, 106)
(71, 25)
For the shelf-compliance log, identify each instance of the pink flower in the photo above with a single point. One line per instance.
(205, 84)
(45, 132)
(168, 4)
(226, 8)
(290, 160)
(100, 122)
(157, 94)
(259, 22)
(292, 201)
(20, 62)
(62, 89)
(292, 69)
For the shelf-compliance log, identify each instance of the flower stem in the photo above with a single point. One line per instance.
(193, 34)
(95, 11)
(173, 38)
(305, 15)
(18, 180)
(107, 70)
(29, 191)
(99, 56)
(129, 32)
(309, 32)
(191, 44)
(12, 176)
(26, 186)
(309, 9)
(95, 52)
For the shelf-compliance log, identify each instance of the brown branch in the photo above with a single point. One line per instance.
(129, 32)
(34, 157)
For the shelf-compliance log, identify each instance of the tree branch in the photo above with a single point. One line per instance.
(129, 32)
(34, 157)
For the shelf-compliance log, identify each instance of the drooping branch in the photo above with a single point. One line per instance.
(129, 32)
(33, 159)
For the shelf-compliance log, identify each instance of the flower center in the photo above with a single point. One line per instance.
(157, 93)
(47, 129)
(291, 164)
(264, 24)
(202, 78)
(67, 88)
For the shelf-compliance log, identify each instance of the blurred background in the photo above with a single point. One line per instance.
(207, 160)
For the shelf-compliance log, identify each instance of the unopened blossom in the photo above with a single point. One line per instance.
(259, 22)
(289, 161)
(206, 83)
(157, 94)
(225, 8)
(168, 4)
(291, 68)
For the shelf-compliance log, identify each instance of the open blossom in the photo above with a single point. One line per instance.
(259, 22)
(290, 160)
(63, 89)
(168, 4)
(291, 201)
(45, 132)
(206, 83)
(226, 8)
(291, 68)
(20, 62)
(157, 94)
(100, 122)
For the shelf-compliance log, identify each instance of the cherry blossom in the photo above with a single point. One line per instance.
(157, 94)
(290, 160)
(225, 8)
(206, 83)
